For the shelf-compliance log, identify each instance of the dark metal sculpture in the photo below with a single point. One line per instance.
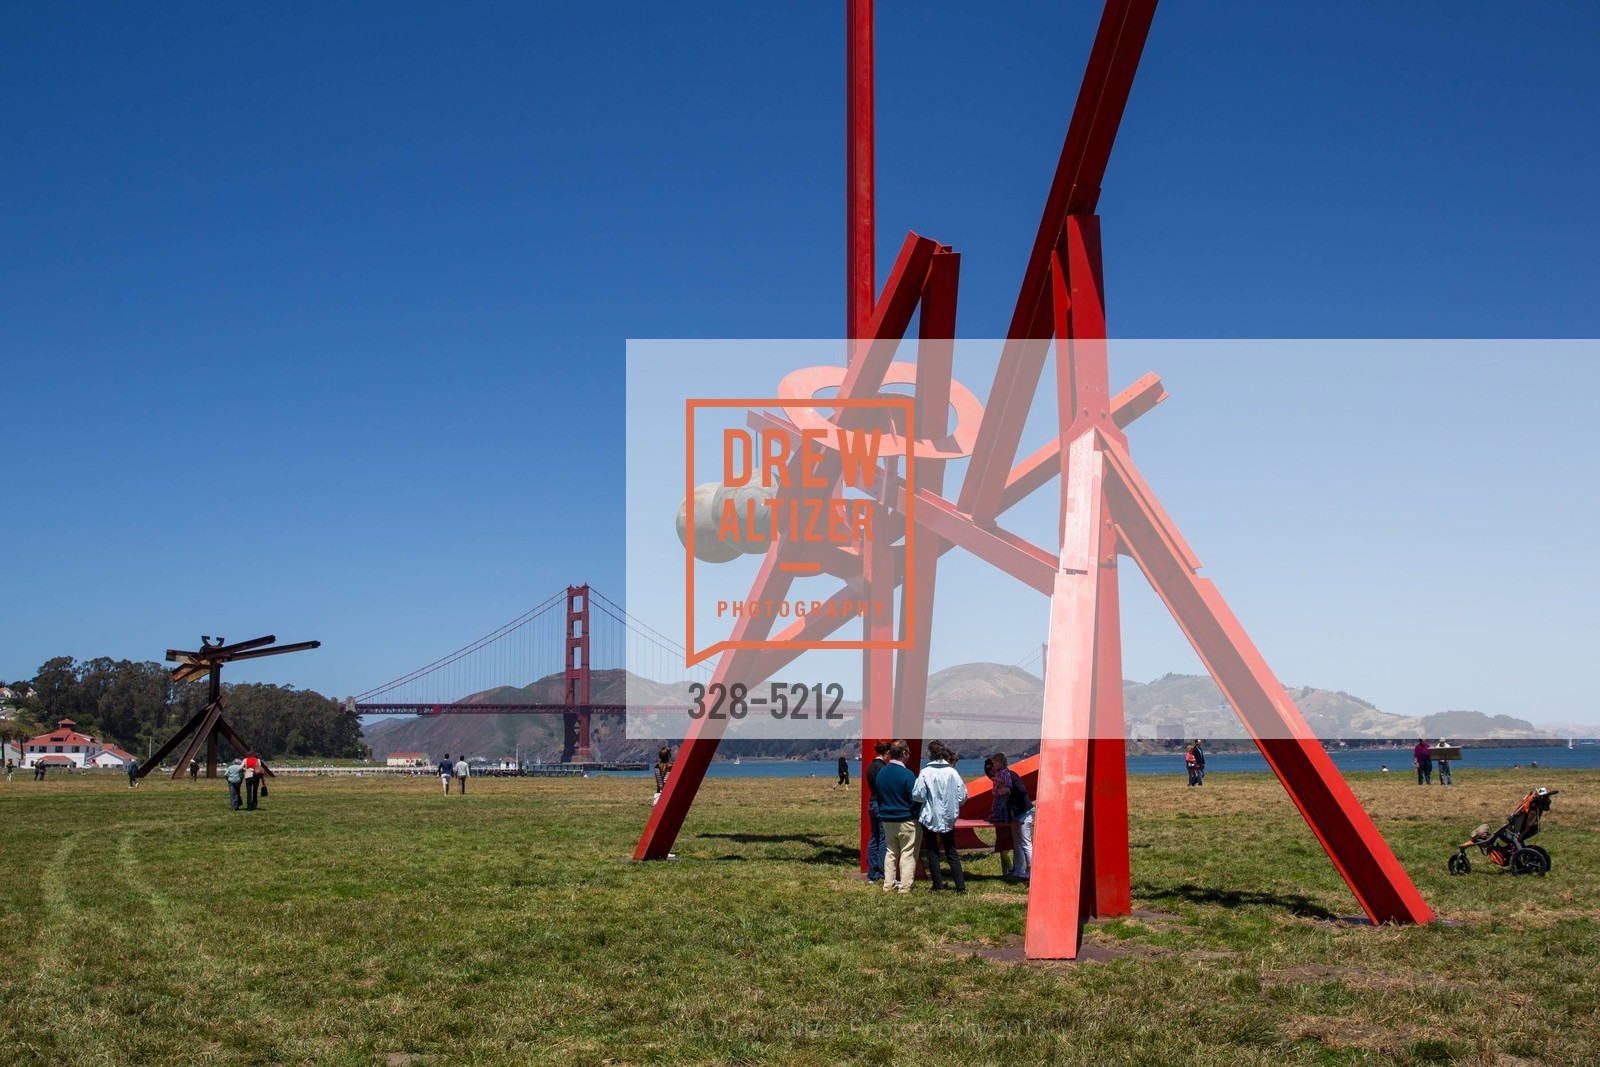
(204, 726)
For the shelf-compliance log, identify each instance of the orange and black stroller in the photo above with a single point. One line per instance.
(1508, 846)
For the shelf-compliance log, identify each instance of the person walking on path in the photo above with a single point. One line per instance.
(1199, 763)
(234, 774)
(1188, 765)
(447, 771)
(897, 809)
(1422, 756)
(10, 766)
(133, 773)
(663, 772)
(1444, 764)
(844, 770)
(463, 770)
(941, 792)
(875, 839)
(1013, 807)
(253, 774)
(194, 769)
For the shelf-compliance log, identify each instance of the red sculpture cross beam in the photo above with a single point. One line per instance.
(1081, 862)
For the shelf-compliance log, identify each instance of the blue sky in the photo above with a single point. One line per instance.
(312, 316)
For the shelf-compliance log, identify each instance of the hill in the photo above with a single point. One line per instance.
(1173, 706)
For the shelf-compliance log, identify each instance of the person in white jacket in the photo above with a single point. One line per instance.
(941, 792)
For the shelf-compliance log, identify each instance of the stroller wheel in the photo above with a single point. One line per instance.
(1529, 861)
(1544, 854)
(1459, 864)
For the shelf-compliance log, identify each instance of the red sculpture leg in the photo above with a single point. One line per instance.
(1057, 898)
(877, 666)
(1345, 830)
(1108, 752)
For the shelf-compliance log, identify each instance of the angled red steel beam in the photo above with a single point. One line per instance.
(1044, 464)
(1075, 189)
(1358, 851)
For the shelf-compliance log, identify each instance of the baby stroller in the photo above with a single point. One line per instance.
(1507, 846)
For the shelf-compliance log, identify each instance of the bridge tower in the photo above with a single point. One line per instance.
(575, 745)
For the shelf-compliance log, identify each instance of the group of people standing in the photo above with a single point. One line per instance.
(912, 813)
(248, 773)
(460, 770)
(1422, 757)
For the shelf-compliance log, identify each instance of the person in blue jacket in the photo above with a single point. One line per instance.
(897, 808)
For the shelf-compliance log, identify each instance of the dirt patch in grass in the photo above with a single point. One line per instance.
(1011, 951)
(1354, 977)
(1334, 1032)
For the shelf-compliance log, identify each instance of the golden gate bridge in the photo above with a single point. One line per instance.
(574, 650)
(558, 647)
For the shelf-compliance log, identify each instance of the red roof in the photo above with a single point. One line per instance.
(117, 752)
(54, 760)
(407, 755)
(71, 737)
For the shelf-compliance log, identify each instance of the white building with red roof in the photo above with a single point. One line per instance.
(112, 756)
(408, 759)
(62, 747)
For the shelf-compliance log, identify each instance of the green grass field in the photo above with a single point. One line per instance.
(367, 921)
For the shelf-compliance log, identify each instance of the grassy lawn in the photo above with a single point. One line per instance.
(373, 921)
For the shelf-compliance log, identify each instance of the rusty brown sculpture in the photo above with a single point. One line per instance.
(208, 722)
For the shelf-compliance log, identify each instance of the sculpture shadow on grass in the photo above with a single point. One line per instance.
(823, 851)
(1294, 903)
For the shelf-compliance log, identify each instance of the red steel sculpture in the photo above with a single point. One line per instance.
(1081, 866)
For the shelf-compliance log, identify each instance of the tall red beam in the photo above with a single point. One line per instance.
(860, 222)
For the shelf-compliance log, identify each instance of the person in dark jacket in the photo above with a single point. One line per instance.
(1199, 763)
(1013, 807)
(1422, 756)
(663, 772)
(875, 840)
(844, 770)
(898, 810)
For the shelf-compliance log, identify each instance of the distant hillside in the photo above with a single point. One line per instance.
(1174, 705)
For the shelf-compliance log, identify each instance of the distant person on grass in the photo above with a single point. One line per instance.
(875, 839)
(254, 775)
(1444, 765)
(234, 773)
(1422, 756)
(1188, 765)
(1013, 807)
(447, 771)
(940, 791)
(194, 769)
(1199, 762)
(897, 809)
(10, 766)
(133, 773)
(663, 772)
(844, 771)
(463, 770)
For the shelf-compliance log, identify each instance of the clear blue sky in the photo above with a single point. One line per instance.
(312, 316)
